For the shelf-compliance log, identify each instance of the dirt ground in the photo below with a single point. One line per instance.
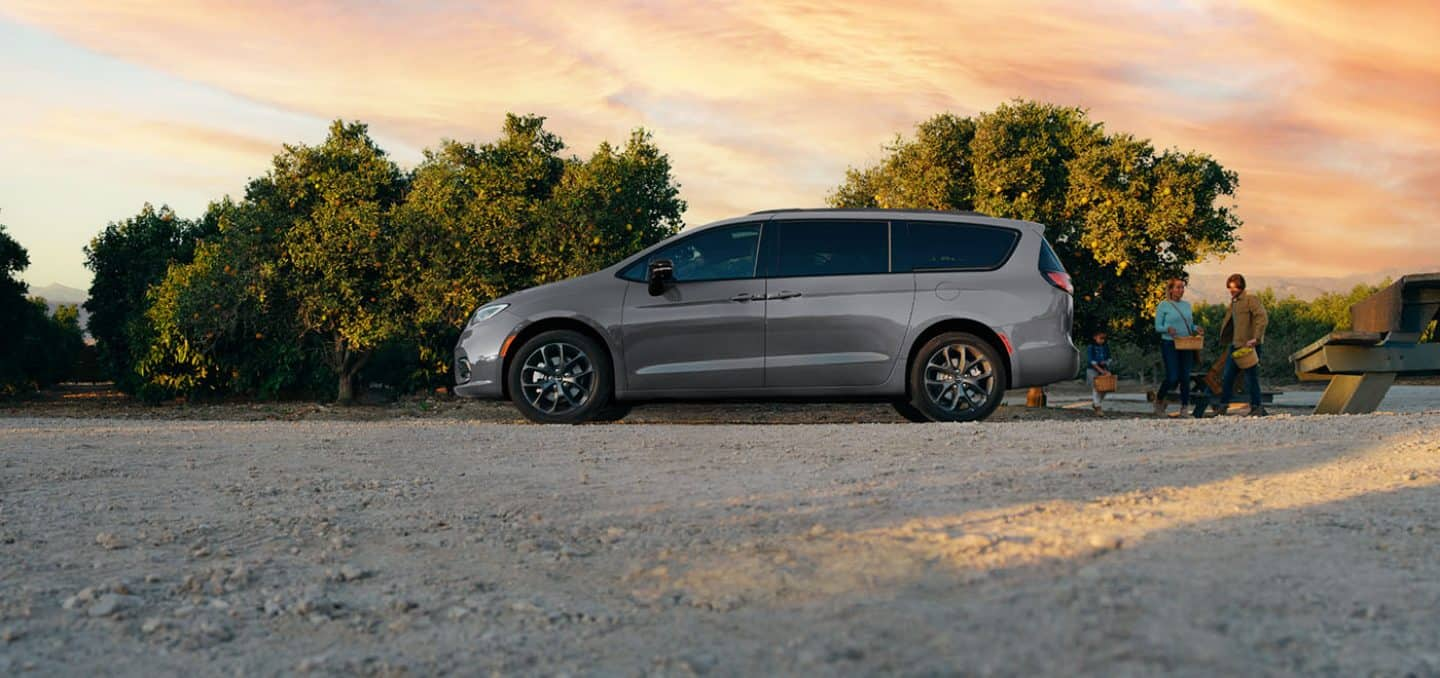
(402, 545)
(103, 401)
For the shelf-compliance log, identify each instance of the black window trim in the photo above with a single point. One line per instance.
(774, 263)
(754, 270)
(1014, 245)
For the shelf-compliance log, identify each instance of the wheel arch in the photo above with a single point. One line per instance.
(975, 327)
(524, 333)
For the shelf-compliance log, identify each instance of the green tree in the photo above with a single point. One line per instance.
(37, 348)
(1123, 216)
(127, 258)
(226, 322)
(337, 249)
(492, 218)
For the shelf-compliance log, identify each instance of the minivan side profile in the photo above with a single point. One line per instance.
(937, 312)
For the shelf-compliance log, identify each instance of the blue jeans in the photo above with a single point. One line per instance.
(1252, 381)
(1177, 371)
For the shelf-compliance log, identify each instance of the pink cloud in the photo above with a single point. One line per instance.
(1328, 110)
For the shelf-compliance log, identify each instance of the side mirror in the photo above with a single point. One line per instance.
(661, 272)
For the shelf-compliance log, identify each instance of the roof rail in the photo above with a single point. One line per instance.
(869, 209)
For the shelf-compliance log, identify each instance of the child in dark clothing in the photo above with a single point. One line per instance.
(1098, 357)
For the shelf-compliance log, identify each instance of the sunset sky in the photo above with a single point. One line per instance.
(1329, 111)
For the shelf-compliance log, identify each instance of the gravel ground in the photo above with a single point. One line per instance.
(1101, 547)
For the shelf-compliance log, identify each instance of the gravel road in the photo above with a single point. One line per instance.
(1101, 547)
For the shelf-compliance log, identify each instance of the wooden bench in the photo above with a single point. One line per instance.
(1384, 342)
(1205, 388)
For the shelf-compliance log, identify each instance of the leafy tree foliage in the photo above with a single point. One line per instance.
(336, 250)
(37, 348)
(127, 258)
(1123, 216)
(337, 265)
(513, 213)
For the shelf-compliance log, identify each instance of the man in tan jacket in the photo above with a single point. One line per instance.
(1244, 326)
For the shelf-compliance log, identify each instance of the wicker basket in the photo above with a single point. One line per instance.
(1245, 358)
(1191, 343)
(1105, 383)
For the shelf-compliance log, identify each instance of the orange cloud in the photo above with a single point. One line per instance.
(1327, 109)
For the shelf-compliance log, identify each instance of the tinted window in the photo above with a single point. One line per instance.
(716, 254)
(833, 248)
(1048, 260)
(959, 246)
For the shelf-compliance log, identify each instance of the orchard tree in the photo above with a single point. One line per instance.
(1122, 216)
(36, 347)
(336, 250)
(127, 258)
(489, 219)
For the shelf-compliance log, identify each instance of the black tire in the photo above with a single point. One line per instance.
(965, 384)
(613, 412)
(550, 383)
(910, 412)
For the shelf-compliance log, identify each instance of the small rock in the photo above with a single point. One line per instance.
(314, 663)
(818, 530)
(350, 572)
(152, 625)
(109, 541)
(9, 635)
(974, 541)
(456, 612)
(112, 603)
(572, 552)
(613, 534)
(1103, 542)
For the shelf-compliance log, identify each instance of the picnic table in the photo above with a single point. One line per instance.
(1384, 342)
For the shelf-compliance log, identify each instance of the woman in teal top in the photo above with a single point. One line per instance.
(1174, 319)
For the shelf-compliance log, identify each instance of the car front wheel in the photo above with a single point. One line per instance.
(957, 376)
(561, 377)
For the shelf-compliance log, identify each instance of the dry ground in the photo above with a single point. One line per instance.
(1101, 547)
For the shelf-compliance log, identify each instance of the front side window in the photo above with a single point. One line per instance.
(813, 248)
(946, 246)
(724, 253)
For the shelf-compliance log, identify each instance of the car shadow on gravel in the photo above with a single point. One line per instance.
(1222, 583)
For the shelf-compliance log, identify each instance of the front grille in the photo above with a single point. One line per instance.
(462, 369)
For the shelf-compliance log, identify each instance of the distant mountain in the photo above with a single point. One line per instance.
(1210, 287)
(56, 294)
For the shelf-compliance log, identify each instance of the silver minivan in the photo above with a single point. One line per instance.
(937, 312)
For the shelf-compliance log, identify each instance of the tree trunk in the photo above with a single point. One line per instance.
(349, 369)
(347, 388)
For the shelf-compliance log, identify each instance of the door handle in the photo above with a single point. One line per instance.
(746, 296)
(784, 294)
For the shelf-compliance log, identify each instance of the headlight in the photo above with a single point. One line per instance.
(487, 312)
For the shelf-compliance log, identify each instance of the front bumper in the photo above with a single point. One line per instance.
(477, 364)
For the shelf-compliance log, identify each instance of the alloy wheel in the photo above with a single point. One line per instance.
(958, 377)
(557, 378)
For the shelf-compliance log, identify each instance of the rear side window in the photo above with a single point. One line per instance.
(1049, 262)
(950, 247)
(814, 248)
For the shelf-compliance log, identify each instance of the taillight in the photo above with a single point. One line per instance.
(1060, 280)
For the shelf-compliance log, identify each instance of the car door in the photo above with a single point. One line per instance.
(706, 332)
(836, 314)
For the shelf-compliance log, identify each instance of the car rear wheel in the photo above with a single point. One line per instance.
(561, 377)
(957, 376)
